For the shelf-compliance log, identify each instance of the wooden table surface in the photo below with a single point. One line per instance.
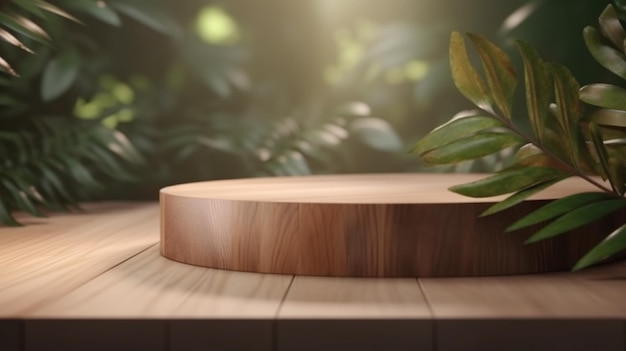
(96, 281)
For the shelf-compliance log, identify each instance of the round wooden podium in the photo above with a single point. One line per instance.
(383, 225)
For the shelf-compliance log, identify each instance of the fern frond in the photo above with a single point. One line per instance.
(56, 163)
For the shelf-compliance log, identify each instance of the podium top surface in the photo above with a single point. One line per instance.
(403, 188)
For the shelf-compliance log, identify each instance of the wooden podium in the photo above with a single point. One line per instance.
(382, 225)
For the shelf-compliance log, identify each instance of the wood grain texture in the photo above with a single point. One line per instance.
(354, 298)
(331, 313)
(50, 257)
(543, 312)
(150, 286)
(393, 225)
(591, 294)
(101, 259)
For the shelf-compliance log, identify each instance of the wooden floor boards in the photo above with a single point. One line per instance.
(96, 281)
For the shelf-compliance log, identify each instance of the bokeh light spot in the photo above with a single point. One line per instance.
(215, 26)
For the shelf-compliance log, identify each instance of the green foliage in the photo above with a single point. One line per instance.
(49, 159)
(112, 92)
(56, 163)
(296, 145)
(563, 140)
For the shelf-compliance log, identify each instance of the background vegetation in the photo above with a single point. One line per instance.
(105, 99)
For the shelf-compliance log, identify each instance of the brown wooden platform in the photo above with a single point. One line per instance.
(374, 225)
(96, 281)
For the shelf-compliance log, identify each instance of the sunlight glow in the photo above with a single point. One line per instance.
(215, 26)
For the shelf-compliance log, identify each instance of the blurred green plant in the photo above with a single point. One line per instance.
(83, 117)
(49, 160)
(561, 140)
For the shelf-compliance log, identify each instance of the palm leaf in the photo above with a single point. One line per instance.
(24, 26)
(11, 39)
(520, 196)
(557, 208)
(470, 148)
(456, 129)
(612, 244)
(508, 181)
(577, 218)
(5, 66)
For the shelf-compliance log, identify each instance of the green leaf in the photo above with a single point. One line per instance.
(110, 165)
(7, 100)
(455, 129)
(97, 9)
(500, 73)
(376, 133)
(29, 6)
(613, 118)
(530, 155)
(611, 245)
(5, 66)
(617, 174)
(557, 208)
(465, 77)
(354, 109)
(147, 14)
(321, 137)
(55, 10)
(11, 39)
(539, 91)
(507, 181)
(611, 28)
(598, 144)
(604, 95)
(520, 196)
(293, 163)
(570, 112)
(56, 183)
(82, 175)
(5, 215)
(607, 56)
(25, 26)
(577, 218)
(470, 148)
(59, 75)
(22, 200)
(117, 143)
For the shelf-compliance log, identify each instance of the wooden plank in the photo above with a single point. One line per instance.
(50, 257)
(354, 314)
(200, 304)
(151, 286)
(594, 293)
(354, 298)
(579, 311)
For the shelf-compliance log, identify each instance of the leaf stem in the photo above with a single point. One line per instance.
(568, 167)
